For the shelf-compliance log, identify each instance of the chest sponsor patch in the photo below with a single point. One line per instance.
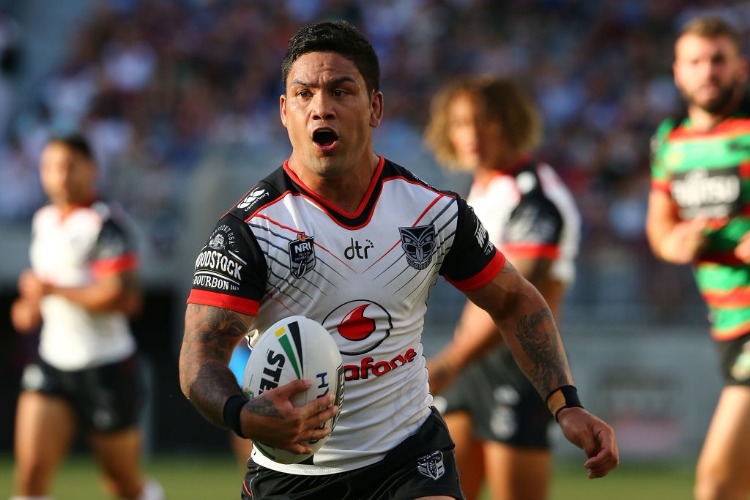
(711, 193)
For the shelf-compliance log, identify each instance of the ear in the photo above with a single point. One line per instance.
(376, 108)
(282, 109)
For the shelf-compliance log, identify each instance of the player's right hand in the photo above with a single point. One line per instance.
(25, 315)
(274, 420)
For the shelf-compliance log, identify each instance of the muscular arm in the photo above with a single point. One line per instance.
(113, 292)
(528, 328)
(211, 334)
(671, 239)
(476, 331)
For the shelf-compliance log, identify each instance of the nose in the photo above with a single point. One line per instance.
(322, 106)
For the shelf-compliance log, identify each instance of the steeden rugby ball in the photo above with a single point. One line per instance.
(295, 348)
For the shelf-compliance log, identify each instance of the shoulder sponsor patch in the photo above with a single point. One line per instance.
(218, 267)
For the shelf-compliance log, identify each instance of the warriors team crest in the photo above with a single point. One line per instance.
(301, 255)
(419, 245)
(431, 465)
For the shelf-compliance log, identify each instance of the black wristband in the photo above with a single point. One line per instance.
(232, 410)
(565, 396)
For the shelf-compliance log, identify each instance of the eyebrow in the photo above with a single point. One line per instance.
(334, 82)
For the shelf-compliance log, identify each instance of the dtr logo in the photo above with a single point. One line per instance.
(356, 250)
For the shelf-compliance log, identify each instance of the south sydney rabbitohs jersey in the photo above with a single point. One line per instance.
(707, 174)
(530, 214)
(282, 251)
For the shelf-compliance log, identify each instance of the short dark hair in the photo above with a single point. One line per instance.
(76, 142)
(339, 37)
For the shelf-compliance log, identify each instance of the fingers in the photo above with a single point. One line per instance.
(606, 456)
(594, 436)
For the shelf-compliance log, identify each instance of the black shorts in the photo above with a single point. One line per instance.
(503, 404)
(106, 398)
(735, 360)
(423, 464)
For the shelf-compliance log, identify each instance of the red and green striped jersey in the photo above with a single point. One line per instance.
(707, 173)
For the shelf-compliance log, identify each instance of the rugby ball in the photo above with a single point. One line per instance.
(295, 348)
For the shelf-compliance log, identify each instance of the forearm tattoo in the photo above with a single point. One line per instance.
(210, 335)
(538, 337)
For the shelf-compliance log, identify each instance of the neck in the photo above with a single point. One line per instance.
(508, 165)
(343, 190)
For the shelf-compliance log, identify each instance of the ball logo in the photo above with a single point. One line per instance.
(361, 324)
(293, 353)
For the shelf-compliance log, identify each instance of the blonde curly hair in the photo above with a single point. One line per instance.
(504, 100)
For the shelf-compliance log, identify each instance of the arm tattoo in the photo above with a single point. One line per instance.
(263, 407)
(210, 335)
(538, 337)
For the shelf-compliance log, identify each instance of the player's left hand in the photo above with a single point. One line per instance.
(30, 286)
(594, 436)
(441, 372)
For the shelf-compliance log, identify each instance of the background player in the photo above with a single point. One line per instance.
(490, 127)
(81, 288)
(699, 213)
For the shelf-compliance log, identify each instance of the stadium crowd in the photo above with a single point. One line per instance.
(158, 86)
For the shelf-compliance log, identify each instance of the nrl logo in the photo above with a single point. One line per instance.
(419, 245)
(301, 255)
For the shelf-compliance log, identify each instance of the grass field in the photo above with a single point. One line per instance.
(212, 477)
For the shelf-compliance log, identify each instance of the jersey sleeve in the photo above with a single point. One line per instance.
(115, 250)
(230, 270)
(659, 174)
(473, 260)
(534, 229)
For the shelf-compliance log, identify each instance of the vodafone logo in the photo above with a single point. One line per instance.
(362, 325)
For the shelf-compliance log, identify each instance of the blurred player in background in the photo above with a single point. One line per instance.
(699, 213)
(490, 127)
(283, 249)
(81, 289)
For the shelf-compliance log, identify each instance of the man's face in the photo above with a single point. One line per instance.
(329, 114)
(477, 140)
(708, 71)
(67, 177)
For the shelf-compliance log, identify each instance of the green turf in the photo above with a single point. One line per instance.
(214, 477)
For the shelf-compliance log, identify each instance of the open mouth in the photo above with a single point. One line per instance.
(324, 137)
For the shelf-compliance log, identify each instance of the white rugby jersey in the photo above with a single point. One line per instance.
(69, 250)
(531, 214)
(365, 276)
